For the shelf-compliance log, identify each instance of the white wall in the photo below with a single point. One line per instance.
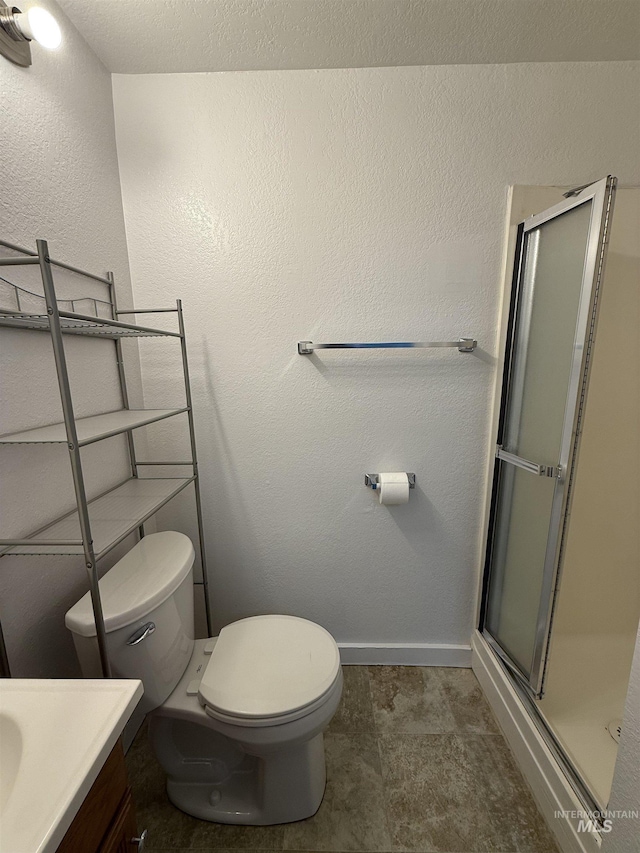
(625, 793)
(347, 205)
(60, 182)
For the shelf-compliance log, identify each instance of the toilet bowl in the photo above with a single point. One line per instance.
(236, 721)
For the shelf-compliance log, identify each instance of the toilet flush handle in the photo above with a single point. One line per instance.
(141, 634)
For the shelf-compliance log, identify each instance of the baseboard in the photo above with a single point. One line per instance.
(405, 654)
(551, 788)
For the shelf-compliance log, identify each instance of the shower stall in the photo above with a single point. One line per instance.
(561, 592)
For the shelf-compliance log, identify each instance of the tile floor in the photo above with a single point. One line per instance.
(415, 762)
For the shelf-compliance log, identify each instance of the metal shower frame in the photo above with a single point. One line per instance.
(58, 323)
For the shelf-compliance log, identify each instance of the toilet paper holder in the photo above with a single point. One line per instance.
(373, 480)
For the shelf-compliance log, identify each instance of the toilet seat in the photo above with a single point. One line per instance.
(279, 720)
(268, 670)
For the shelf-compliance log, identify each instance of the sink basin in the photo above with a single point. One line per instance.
(55, 735)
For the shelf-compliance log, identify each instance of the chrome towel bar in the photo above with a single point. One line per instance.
(462, 345)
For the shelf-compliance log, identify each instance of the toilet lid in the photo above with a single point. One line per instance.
(267, 666)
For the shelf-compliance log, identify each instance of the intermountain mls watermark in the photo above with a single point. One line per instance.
(596, 821)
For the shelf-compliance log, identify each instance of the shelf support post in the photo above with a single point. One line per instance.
(122, 377)
(194, 459)
(74, 450)
(5, 668)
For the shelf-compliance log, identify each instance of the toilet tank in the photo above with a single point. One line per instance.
(153, 582)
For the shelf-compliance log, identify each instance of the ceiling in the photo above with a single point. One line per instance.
(153, 36)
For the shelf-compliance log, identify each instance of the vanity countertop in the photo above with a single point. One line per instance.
(55, 735)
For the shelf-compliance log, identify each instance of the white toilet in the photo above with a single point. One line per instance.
(236, 720)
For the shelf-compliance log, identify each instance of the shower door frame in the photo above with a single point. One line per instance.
(601, 195)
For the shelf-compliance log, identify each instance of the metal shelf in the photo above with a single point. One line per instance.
(28, 256)
(91, 429)
(23, 309)
(98, 525)
(78, 324)
(113, 515)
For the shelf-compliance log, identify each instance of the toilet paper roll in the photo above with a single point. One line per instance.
(393, 488)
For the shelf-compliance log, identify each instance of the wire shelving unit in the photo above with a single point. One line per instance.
(98, 525)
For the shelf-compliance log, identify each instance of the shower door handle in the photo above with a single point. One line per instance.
(526, 465)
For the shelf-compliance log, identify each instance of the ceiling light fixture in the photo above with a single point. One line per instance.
(18, 29)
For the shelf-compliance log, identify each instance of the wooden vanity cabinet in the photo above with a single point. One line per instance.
(105, 822)
(122, 831)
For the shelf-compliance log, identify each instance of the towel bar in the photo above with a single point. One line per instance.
(462, 345)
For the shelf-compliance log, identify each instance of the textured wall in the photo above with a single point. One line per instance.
(347, 205)
(60, 182)
(625, 794)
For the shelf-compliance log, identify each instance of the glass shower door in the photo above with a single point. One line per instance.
(558, 265)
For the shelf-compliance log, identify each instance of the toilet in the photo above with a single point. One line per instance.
(237, 720)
